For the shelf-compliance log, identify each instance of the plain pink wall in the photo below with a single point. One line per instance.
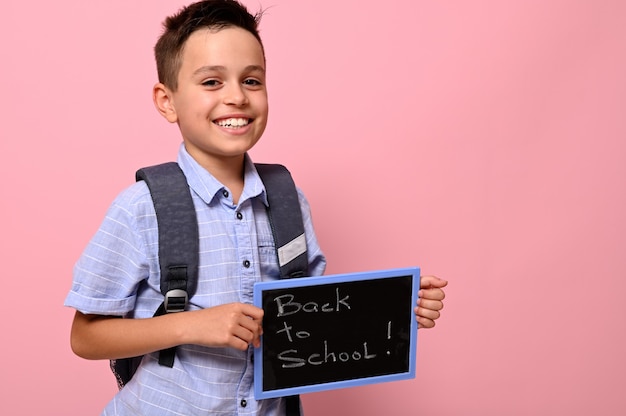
(484, 141)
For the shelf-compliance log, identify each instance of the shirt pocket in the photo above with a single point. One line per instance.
(268, 259)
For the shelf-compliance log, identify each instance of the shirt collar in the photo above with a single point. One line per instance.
(207, 186)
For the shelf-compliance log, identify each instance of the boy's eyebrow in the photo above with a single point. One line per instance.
(221, 68)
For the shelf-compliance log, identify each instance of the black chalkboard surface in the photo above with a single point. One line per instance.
(336, 331)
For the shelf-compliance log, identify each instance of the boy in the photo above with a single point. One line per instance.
(211, 68)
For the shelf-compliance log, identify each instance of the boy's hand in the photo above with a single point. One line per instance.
(430, 301)
(235, 325)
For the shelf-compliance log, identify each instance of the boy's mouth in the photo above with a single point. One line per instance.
(233, 123)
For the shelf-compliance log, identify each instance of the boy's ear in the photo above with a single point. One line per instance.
(164, 103)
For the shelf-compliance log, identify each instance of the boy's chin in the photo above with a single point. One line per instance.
(219, 154)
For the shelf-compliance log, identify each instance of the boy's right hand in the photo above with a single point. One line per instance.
(235, 325)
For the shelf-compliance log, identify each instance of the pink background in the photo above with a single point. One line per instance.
(484, 141)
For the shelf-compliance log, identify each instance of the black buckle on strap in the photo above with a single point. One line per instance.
(175, 300)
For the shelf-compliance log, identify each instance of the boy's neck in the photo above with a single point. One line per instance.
(229, 172)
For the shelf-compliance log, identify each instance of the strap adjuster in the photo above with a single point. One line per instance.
(175, 300)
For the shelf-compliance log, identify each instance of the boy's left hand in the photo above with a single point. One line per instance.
(430, 301)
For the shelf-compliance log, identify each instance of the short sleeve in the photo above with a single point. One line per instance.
(108, 274)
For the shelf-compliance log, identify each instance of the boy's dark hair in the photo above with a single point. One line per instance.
(206, 14)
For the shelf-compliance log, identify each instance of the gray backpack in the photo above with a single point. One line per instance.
(179, 244)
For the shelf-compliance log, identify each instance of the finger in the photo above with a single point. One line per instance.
(252, 311)
(435, 305)
(427, 282)
(427, 313)
(252, 326)
(242, 337)
(251, 320)
(238, 337)
(434, 294)
(424, 322)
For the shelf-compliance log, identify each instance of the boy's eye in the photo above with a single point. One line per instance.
(251, 82)
(211, 83)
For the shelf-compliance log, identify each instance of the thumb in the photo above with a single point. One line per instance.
(429, 282)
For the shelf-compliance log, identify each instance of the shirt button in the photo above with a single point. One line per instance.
(246, 263)
(239, 215)
(244, 403)
(225, 193)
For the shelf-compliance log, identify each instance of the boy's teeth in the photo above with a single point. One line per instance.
(233, 122)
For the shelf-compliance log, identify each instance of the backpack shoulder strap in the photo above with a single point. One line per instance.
(178, 232)
(288, 228)
(285, 219)
(178, 238)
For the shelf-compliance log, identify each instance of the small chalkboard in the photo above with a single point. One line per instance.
(336, 331)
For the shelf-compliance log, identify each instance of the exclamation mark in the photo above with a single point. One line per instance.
(388, 334)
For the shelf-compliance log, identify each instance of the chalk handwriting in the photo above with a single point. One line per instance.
(287, 330)
(287, 306)
(291, 360)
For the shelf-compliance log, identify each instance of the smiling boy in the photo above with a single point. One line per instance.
(219, 100)
(211, 67)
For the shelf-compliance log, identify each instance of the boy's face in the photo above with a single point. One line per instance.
(221, 101)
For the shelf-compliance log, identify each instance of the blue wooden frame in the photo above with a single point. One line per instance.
(260, 287)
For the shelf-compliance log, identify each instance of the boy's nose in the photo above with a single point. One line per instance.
(235, 95)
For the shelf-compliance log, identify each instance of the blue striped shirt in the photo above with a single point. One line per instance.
(118, 274)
